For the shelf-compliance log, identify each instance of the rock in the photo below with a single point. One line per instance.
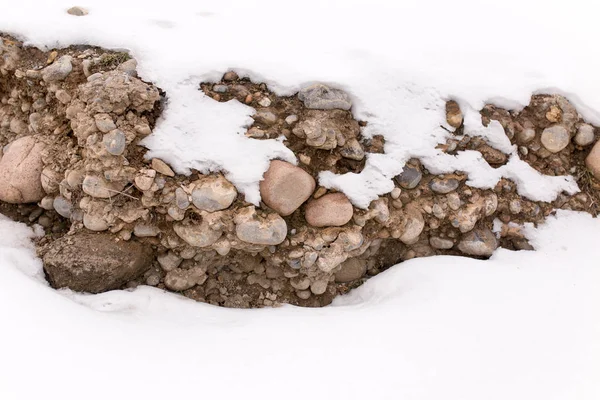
(321, 97)
(318, 287)
(526, 135)
(213, 193)
(94, 222)
(220, 88)
(592, 161)
(50, 180)
(20, 171)
(454, 116)
(230, 76)
(77, 11)
(129, 67)
(491, 155)
(58, 71)
(410, 177)
(62, 206)
(555, 138)
(351, 270)
(104, 122)
(332, 209)
(467, 217)
(181, 199)
(444, 186)
(161, 167)
(479, 242)
(291, 119)
(94, 263)
(585, 135)
(265, 117)
(197, 234)
(352, 150)
(440, 243)
(183, 279)
(63, 96)
(98, 187)
(264, 102)
(285, 187)
(47, 203)
(115, 142)
(145, 230)
(268, 231)
(169, 261)
(413, 225)
(454, 201)
(145, 179)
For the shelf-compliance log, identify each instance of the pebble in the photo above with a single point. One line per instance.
(169, 261)
(351, 270)
(21, 170)
(77, 11)
(265, 117)
(230, 76)
(145, 230)
(104, 122)
(264, 102)
(115, 142)
(94, 222)
(395, 193)
(161, 167)
(197, 234)
(181, 198)
(322, 97)
(332, 209)
(285, 187)
(592, 161)
(291, 119)
(467, 217)
(585, 135)
(271, 230)
(62, 96)
(318, 287)
(444, 186)
(213, 193)
(413, 225)
(58, 71)
(410, 177)
(526, 135)
(454, 116)
(63, 207)
(353, 150)
(515, 206)
(440, 243)
(220, 88)
(479, 242)
(50, 180)
(183, 279)
(97, 187)
(555, 138)
(47, 203)
(145, 180)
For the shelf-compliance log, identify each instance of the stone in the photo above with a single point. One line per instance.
(269, 231)
(220, 88)
(264, 102)
(145, 179)
(213, 193)
(115, 142)
(413, 225)
(410, 177)
(454, 116)
(479, 242)
(285, 187)
(333, 209)
(440, 243)
(352, 150)
(169, 261)
(454, 202)
(322, 97)
(444, 186)
(145, 230)
(585, 135)
(291, 119)
(77, 11)
(104, 122)
(351, 270)
(555, 138)
(161, 167)
(230, 76)
(58, 71)
(181, 199)
(183, 279)
(265, 117)
(197, 234)
(129, 67)
(20, 171)
(94, 222)
(526, 135)
(98, 187)
(62, 206)
(467, 217)
(47, 203)
(318, 287)
(62, 96)
(592, 161)
(50, 180)
(94, 263)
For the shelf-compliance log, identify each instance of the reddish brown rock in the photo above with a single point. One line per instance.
(285, 187)
(333, 209)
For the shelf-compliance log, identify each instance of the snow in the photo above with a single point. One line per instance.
(522, 325)
(399, 61)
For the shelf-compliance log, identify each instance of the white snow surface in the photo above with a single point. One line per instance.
(399, 60)
(520, 326)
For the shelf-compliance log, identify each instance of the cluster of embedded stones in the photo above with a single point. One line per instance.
(70, 127)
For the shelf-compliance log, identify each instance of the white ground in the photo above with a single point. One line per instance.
(523, 325)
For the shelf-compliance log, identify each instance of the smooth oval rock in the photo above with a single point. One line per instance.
(454, 116)
(213, 193)
(332, 209)
(62, 206)
(592, 161)
(269, 231)
(197, 235)
(94, 222)
(20, 171)
(285, 187)
(322, 97)
(413, 225)
(98, 187)
(444, 186)
(115, 142)
(440, 243)
(585, 135)
(479, 242)
(351, 270)
(555, 138)
(169, 261)
(410, 177)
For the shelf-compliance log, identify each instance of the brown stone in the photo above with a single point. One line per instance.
(285, 187)
(20, 172)
(95, 263)
(592, 161)
(351, 270)
(454, 116)
(333, 209)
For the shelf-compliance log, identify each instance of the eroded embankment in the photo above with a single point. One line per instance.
(70, 125)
